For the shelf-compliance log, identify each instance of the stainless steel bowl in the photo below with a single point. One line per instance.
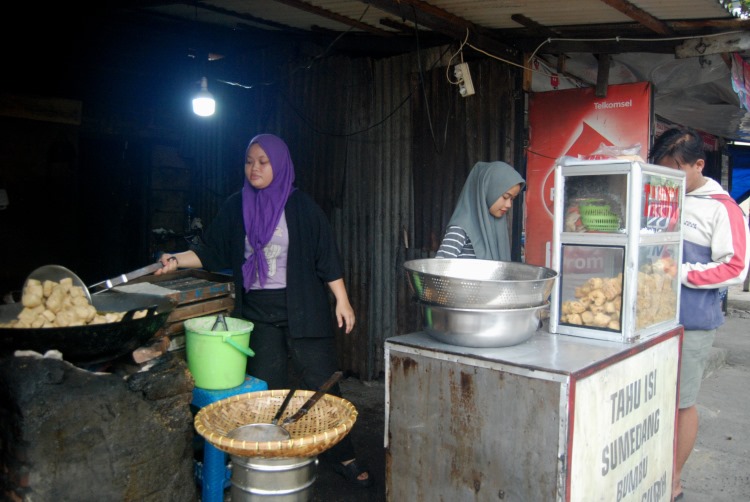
(481, 327)
(479, 284)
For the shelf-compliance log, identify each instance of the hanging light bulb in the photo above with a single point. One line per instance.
(203, 102)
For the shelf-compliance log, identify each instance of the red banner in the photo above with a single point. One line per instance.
(574, 122)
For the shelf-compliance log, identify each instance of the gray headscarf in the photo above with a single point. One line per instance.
(487, 181)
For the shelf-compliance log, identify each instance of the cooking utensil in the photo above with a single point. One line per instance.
(327, 423)
(313, 399)
(92, 343)
(56, 273)
(265, 432)
(262, 432)
(123, 278)
(479, 284)
(481, 327)
(283, 406)
(220, 323)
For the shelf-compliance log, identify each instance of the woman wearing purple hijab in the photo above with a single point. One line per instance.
(282, 253)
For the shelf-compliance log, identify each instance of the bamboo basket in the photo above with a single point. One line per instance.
(324, 425)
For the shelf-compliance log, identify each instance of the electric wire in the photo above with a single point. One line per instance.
(438, 149)
(627, 39)
(577, 82)
(544, 70)
(302, 67)
(459, 51)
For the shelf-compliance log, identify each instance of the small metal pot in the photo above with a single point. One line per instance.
(481, 327)
(260, 433)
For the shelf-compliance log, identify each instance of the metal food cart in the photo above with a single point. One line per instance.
(555, 418)
(585, 409)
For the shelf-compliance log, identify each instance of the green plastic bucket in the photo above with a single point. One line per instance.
(217, 359)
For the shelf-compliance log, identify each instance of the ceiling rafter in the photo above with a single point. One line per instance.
(245, 17)
(312, 9)
(639, 15)
(426, 15)
(534, 27)
(715, 24)
(505, 42)
(402, 27)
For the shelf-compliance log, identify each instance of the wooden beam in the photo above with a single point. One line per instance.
(641, 16)
(247, 17)
(713, 24)
(602, 75)
(61, 111)
(703, 46)
(402, 27)
(528, 75)
(534, 27)
(318, 11)
(422, 14)
(599, 47)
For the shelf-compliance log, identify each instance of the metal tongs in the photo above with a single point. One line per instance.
(313, 399)
(220, 324)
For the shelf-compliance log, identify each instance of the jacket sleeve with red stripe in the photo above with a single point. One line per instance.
(716, 251)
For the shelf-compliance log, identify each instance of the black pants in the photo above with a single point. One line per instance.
(313, 360)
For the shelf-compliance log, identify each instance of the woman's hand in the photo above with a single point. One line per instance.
(345, 316)
(344, 310)
(171, 262)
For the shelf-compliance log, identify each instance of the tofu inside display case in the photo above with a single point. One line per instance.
(617, 245)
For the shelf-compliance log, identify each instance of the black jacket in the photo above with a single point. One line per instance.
(313, 260)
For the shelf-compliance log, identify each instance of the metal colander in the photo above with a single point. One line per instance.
(479, 284)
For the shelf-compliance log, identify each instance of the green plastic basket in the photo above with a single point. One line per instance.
(599, 218)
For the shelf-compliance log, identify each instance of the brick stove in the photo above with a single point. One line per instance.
(76, 435)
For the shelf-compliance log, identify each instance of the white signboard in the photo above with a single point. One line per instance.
(624, 428)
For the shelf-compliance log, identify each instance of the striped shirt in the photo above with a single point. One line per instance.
(456, 244)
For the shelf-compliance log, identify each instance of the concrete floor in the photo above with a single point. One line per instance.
(367, 435)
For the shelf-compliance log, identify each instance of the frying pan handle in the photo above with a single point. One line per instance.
(245, 350)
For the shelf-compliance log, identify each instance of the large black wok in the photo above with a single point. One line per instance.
(92, 343)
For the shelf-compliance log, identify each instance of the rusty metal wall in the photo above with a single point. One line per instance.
(444, 405)
(351, 126)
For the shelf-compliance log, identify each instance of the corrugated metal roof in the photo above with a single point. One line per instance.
(490, 14)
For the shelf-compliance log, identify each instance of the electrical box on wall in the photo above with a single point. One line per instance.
(465, 85)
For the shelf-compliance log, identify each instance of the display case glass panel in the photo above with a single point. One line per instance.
(658, 285)
(596, 203)
(660, 204)
(591, 286)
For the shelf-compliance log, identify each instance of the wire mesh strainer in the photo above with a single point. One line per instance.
(477, 284)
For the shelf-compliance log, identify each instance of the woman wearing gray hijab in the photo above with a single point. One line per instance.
(478, 228)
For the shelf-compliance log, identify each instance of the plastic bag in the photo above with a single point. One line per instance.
(632, 152)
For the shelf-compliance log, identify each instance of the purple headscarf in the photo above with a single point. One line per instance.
(262, 209)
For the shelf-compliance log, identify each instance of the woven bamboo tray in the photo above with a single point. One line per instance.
(327, 423)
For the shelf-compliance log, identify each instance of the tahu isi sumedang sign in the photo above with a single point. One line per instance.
(622, 446)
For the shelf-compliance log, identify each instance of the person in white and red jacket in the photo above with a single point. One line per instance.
(716, 254)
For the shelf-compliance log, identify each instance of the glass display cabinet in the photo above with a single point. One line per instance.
(617, 245)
